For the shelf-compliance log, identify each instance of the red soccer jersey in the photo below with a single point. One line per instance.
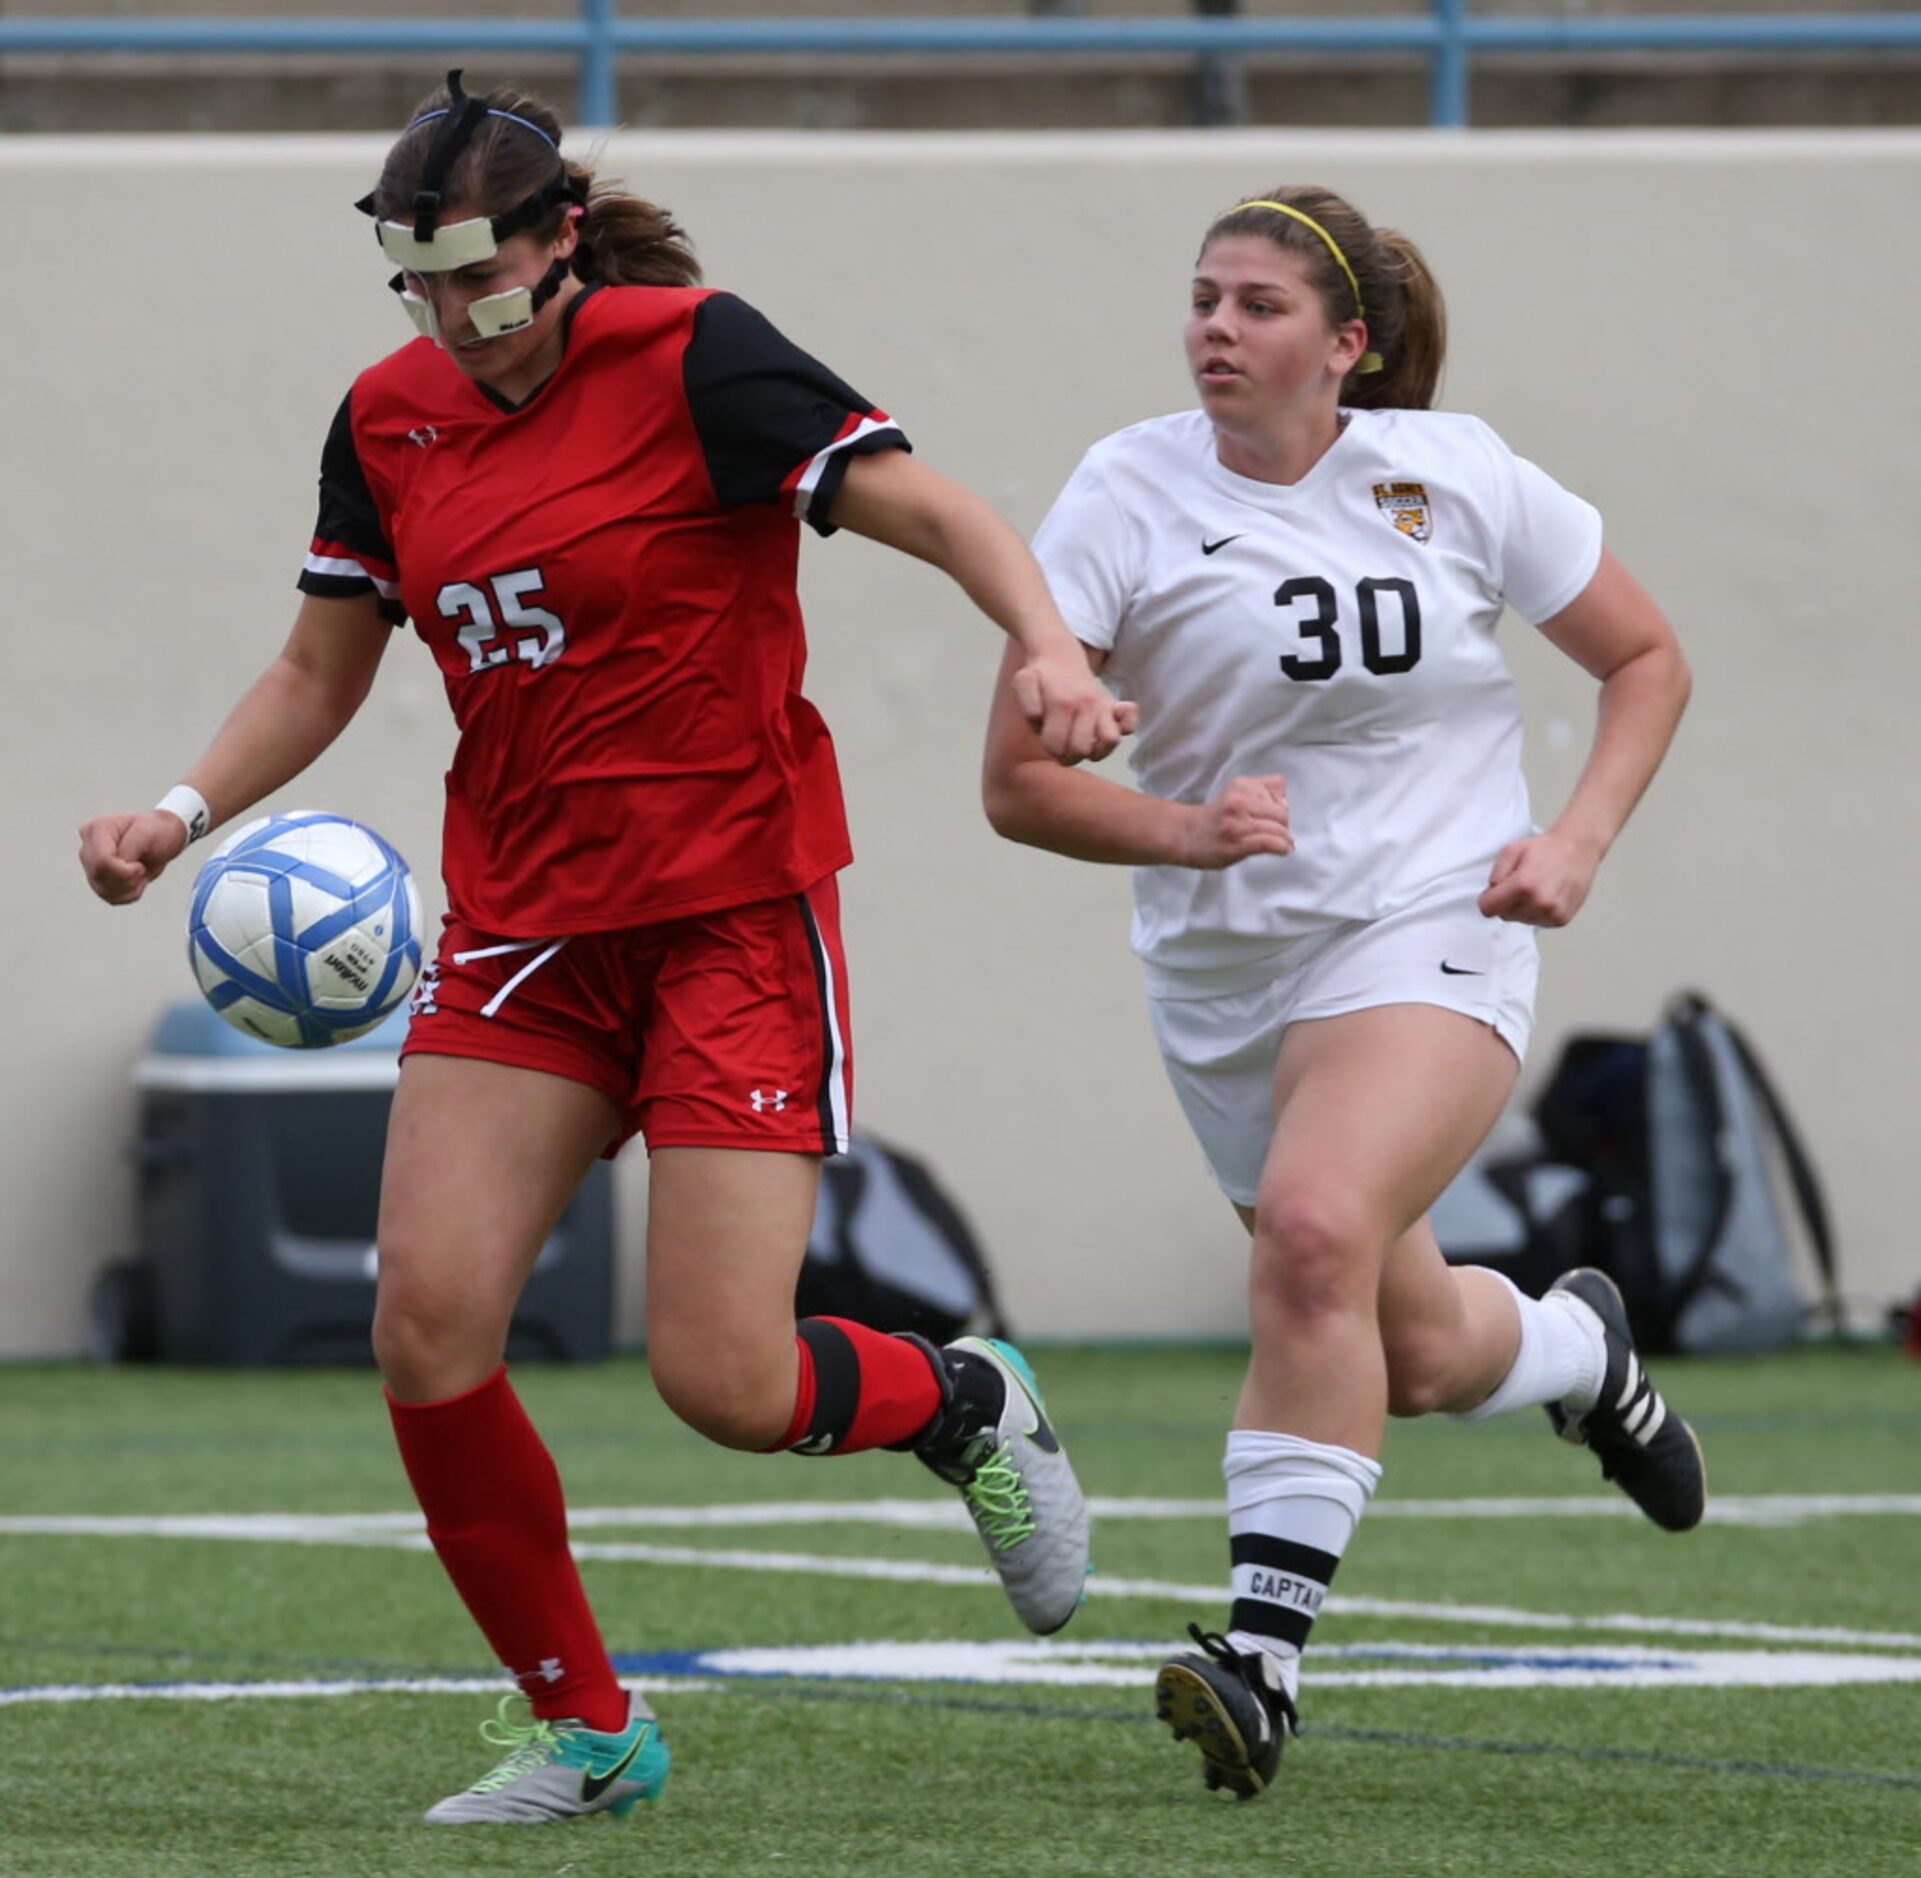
(605, 576)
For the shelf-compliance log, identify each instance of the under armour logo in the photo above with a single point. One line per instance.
(425, 435)
(775, 1099)
(549, 1671)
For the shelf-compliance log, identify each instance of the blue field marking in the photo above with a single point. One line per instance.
(1115, 1663)
(947, 1698)
(676, 1663)
(1122, 1662)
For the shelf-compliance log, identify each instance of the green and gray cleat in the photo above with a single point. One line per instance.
(556, 1770)
(994, 1442)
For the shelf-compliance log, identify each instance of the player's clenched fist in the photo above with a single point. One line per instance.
(1248, 817)
(122, 854)
(1540, 881)
(1075, 716)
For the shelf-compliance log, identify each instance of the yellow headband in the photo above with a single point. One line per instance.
(1370, 361)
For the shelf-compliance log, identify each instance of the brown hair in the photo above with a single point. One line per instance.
(624, 241)
(1399, 297)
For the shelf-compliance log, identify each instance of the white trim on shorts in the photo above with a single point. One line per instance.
(520, 977)
(836, 1111)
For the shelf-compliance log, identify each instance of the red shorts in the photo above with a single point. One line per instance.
(725, 1030)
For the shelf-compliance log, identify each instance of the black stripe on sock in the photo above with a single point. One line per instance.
(836, 1384)
(1261, 1619)
(1282, 1555)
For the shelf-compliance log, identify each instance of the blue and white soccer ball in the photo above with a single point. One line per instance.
(304, 929)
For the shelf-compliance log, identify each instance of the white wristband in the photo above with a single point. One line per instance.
(191, 806)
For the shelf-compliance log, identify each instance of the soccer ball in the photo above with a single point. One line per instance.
(304, 929)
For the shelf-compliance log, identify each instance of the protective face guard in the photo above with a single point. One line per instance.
(492, 315)
(459, 244)
(425, 247)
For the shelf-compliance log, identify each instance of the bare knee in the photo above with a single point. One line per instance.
(434, 1340)
(1312, 1259)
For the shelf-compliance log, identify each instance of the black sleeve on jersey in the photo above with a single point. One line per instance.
(762, 408)
(348, 516)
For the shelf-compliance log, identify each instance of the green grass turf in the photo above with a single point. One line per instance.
(842, 1778)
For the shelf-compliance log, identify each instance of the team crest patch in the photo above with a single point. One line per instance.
(1407, 507)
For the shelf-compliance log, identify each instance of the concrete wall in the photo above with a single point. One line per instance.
(1706, 336)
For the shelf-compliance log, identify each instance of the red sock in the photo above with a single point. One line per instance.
(495, 1514)
(859, 1388)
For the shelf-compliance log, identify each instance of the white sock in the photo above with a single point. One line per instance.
(1292, 1506)
(1562, 1358)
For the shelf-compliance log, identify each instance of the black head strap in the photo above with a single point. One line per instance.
(462, 117)
(458, 121)
(550, 284)
(539, 205)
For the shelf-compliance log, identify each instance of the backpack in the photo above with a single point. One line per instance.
(891, 1250)
(1673, 1140)
(1521, 1214)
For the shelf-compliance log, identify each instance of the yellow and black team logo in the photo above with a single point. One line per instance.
(1407, 507)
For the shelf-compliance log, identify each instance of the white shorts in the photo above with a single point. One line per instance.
(1220, 1037)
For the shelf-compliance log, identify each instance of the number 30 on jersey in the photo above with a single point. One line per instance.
(507, 627)
(1389, 646)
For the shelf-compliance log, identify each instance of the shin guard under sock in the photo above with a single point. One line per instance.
(860, 1388)
(497, 1519)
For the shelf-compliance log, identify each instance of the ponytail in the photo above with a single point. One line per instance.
(626, 242)
(1411, 335)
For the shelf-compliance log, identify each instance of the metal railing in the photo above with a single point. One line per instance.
(1448, 37)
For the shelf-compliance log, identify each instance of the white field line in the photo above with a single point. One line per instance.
(1765, 1509)
(1761, 1509)
(240, 1691)
(1498, 1616)
(402, 1531)
(1372, 1666)
(1733, 1509)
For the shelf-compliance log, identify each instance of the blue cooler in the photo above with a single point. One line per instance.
(259, 1192)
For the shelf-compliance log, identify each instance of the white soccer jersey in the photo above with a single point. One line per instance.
(1339, 631)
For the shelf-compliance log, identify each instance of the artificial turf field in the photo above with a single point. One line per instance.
(1515, 1675)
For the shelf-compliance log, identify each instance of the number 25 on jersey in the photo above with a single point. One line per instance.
(508, 627)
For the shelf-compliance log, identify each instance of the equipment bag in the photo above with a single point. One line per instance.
(1677, 1134)
(891, 1250)
(1519, 1215)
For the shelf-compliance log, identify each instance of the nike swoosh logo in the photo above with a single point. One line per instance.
(1209, 547)
(593, 1785)
(1461, 971)
(1041, 1433)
